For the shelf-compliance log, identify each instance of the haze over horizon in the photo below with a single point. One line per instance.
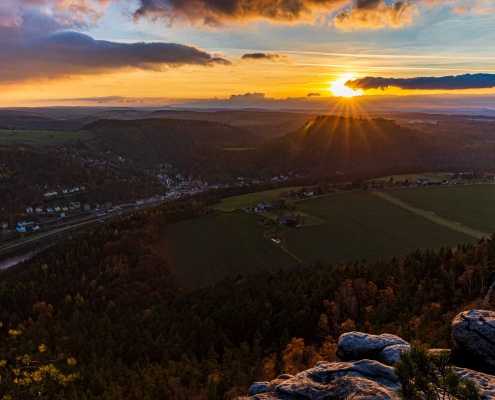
(302, 54)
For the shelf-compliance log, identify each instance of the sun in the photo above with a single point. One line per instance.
(339, 89)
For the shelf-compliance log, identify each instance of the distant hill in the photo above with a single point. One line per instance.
(152, 141)
(330, 143)
(327, 144)
(31, 120)
(265, 124)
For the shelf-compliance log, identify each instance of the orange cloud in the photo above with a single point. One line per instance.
(375, 14)
(217, 12)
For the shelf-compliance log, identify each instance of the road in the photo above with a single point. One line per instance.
(94, 219)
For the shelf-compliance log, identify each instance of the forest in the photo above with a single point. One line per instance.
(108, 300)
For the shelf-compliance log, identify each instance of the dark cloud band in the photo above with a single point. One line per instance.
(72, 53)
(263, 56)
(467, 81)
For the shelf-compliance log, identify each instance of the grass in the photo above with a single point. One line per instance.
(431, 216)
(471, 205)
(337, 228)
(42, 138)
(204, 250)
(249, 200)
(362, 226)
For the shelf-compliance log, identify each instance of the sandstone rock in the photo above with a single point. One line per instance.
(440, 351)
(389, 355)
(485, 383)
(365, 379)
(474, 332)
(359, 346)
(257, 388)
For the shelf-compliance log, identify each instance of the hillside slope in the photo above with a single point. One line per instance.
(152, 141)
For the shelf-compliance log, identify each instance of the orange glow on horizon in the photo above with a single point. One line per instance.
(339, 89)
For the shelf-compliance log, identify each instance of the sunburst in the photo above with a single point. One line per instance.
(339, 89)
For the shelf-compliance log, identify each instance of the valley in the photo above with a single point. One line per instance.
(335, 228)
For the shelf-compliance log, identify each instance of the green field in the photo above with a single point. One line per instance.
(204, 250)
(472, 205)
(335, 228)
(360, 225)
(42, 138)
(249, 200)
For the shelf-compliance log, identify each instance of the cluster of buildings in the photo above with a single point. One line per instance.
(63, 192)
(74, 206)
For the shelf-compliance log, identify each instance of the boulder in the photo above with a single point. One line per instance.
(365, 379)
(358, 346)
(474, 332)
(257, 388)
(485, 383)
(391, 354)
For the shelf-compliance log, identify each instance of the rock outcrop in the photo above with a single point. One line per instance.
(474, 332)
(367, 373)
(359, 346)
(365, 379)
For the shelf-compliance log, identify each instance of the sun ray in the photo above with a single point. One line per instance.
(339, 89)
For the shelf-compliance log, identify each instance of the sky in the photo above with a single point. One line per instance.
(246, 53)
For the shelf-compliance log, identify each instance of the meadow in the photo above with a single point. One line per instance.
(472, 205)
(360, 225)
(250, 200)
(202, 251)
(335, 228)
(42, 138)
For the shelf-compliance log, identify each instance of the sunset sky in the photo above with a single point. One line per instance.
(169, 52)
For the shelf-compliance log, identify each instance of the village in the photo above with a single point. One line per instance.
(61, 206)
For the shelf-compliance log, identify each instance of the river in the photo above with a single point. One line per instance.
(10, 262)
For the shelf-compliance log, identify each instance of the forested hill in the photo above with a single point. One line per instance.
(351, 145)
(152, 141)
(328, 144)
(109, 300)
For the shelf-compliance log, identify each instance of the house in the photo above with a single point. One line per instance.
(50, 210)
(293, 223)
(39, 209)
(5, 225)
(282, 220)
(87, 207)
(57, 208)
(261, 207)
(423, 181)
(308, 192)
(36, 228)
(65, 208)
(21, 229)
(29, 210)
(76, 205)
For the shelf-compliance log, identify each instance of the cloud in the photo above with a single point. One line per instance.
(264, 56)
(217, 12)
(375, 14)
(313, 95)
(39, 41)
(467, 81)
